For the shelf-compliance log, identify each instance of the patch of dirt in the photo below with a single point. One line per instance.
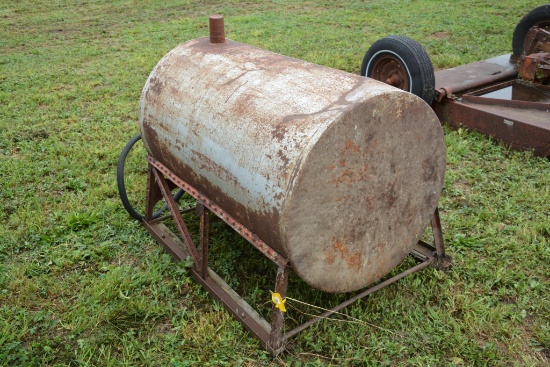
(462, 186)
(30, 135)
(509, 300)
(440, 35)
(165, 327)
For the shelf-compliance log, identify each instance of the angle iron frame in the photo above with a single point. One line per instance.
(160, 182)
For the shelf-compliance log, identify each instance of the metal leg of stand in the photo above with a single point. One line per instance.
(180, 224)
(204, 227)
(154, 195)
(276, 340)
(444, 262)
(438, 235)
(182, 246)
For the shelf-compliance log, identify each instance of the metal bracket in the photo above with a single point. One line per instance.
(271, 335)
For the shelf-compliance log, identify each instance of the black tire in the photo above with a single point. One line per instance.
(537, 17)
(412, 56)
(122, 186)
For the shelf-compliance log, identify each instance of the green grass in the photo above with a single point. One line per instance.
(83, 285)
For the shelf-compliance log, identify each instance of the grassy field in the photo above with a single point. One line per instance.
(83, 285)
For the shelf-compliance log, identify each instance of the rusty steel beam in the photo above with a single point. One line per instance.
(524, 125)
(215, 285)
(487, 97)
(535, 67)
(236, 305)
(514, 128)
(167, 239)
(271, 335)
(276, 340)
(180, 224)
(204, 224)
(464, 78)
(361, 295)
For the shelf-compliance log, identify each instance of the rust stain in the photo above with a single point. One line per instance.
(329, 258)
(347, 176)
(353, 260)
(209, 165)
(350, 146)
(156, 85)
(279, 132)
(344, 198)
(253, 221)
(352, 175)
(283, 157)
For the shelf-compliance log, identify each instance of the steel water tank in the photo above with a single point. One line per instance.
(337, 172)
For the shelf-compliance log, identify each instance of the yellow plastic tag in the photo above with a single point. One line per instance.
(278, 301)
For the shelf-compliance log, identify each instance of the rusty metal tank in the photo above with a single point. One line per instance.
(337, 172)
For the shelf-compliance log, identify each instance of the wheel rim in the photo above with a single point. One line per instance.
(544, 25)
(390, 70)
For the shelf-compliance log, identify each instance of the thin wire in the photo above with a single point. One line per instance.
(325, 318)
(329, 358)
(355, 320)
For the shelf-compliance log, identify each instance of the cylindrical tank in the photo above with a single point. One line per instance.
(337, 172)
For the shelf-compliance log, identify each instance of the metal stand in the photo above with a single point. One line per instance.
(161, 181)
